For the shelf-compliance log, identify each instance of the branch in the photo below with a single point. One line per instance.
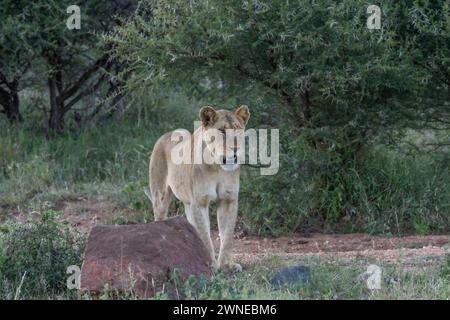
(84, 77)
(84, 93)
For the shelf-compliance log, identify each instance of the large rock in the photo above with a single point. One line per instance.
(142, 257)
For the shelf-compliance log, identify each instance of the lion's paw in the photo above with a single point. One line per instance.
(214, 266)
(232, 267)
(236, 267)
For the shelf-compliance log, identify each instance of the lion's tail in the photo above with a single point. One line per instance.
(148, 193)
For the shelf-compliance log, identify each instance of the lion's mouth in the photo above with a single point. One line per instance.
(230, 164)
(229, 167)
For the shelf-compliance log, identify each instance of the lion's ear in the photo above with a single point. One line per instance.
(208, 115)
(243, 114)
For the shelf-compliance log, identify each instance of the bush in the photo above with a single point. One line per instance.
(319, 187)
(445, 268)
(379, 191)
(34, 257)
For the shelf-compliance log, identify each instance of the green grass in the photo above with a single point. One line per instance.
(94, 162)
(382, 191)
(331, 279)
(34, 257)
(35, 254)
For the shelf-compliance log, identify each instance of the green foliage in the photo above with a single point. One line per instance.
(37, 47)
(332, 279)
(109, 161)
(25, 179)
(445, 269)
(35, 256)
(31, 31)
(340, 80)
(342, 96)
(382, 192)
(343, 91)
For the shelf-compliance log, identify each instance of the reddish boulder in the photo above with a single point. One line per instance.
(140, 258)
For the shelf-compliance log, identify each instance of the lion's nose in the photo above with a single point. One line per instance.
(230, 160)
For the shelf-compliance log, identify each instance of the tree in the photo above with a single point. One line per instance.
(73, 62)
(9, 98)
(15, 61)
(342, 87)
(343, 83)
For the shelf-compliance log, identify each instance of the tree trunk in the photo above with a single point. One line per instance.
(9, 99)
(63, 99)
(56, 119)
(305, 104)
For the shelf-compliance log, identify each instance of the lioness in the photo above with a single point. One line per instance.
(198, 184)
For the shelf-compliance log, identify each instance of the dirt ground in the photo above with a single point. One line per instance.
(84, 214)
(410, 250)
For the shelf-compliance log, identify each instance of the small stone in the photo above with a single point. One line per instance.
(292, 275)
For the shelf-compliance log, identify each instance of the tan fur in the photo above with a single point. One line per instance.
(197, 185)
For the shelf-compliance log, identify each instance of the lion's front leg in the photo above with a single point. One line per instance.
(199, 217)
(226, 218)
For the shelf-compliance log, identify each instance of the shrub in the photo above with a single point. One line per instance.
(35, 255)
(379, 191)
